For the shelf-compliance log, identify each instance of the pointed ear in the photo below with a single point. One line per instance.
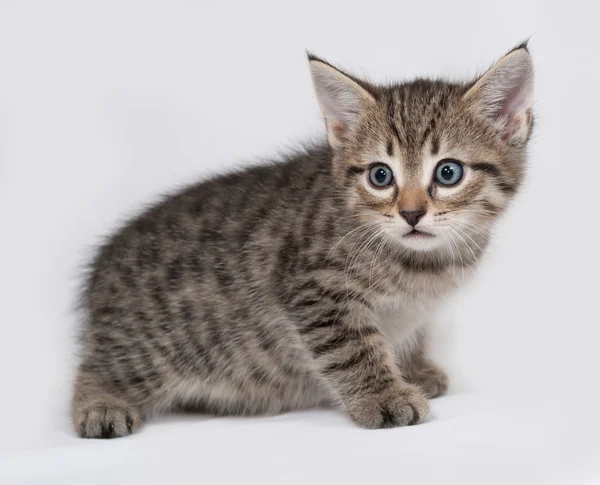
(504, 95)
(341, 98)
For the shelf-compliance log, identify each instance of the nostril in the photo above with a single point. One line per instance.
(412, 217)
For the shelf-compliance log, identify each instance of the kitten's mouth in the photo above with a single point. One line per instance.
(416, 234)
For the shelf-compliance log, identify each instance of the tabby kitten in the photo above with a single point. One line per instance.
(311, 280)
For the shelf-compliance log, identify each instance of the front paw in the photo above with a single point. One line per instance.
(106, 421)
(432, 380)
(401, 405)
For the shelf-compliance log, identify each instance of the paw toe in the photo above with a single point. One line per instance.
(107, 422)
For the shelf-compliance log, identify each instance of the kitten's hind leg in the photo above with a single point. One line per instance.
(425, 374)
(97, 413)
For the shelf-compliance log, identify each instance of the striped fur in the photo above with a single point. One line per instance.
(293, 284)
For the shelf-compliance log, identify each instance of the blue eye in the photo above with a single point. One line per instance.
(448, 172)
(380, 175)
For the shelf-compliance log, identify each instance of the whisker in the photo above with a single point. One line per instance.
(470, 238)
(361, 226)
(378, 251)
(358, 254)
(464, 242)
(473, 227)
(462, 263)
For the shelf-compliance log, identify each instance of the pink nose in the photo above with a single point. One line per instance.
(412, 217)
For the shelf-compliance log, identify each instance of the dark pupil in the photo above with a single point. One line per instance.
(380, 175)
(447, 172)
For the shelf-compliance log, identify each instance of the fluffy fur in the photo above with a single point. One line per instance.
(300, 283)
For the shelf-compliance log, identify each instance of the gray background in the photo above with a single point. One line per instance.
(105, 105)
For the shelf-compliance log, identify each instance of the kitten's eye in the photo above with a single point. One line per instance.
(380, 175)
(448, 172)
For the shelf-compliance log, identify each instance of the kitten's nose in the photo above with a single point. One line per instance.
(412, 217)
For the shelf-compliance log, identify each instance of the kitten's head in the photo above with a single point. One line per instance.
(432, 163)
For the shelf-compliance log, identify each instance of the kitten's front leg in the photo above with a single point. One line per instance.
(354, 362)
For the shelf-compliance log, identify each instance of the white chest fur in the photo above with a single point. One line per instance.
(403, 321)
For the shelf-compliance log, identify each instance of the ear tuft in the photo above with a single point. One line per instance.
(341, 98)
(504, 95)
(523, 45)
(312, 57)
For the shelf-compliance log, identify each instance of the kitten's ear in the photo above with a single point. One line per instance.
(341, 98)
(504, 95)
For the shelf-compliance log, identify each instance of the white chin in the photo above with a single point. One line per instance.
(420, 243)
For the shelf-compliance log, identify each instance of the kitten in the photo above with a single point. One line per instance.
(309, 281)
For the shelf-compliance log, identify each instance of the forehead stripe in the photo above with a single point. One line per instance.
(391, 112)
